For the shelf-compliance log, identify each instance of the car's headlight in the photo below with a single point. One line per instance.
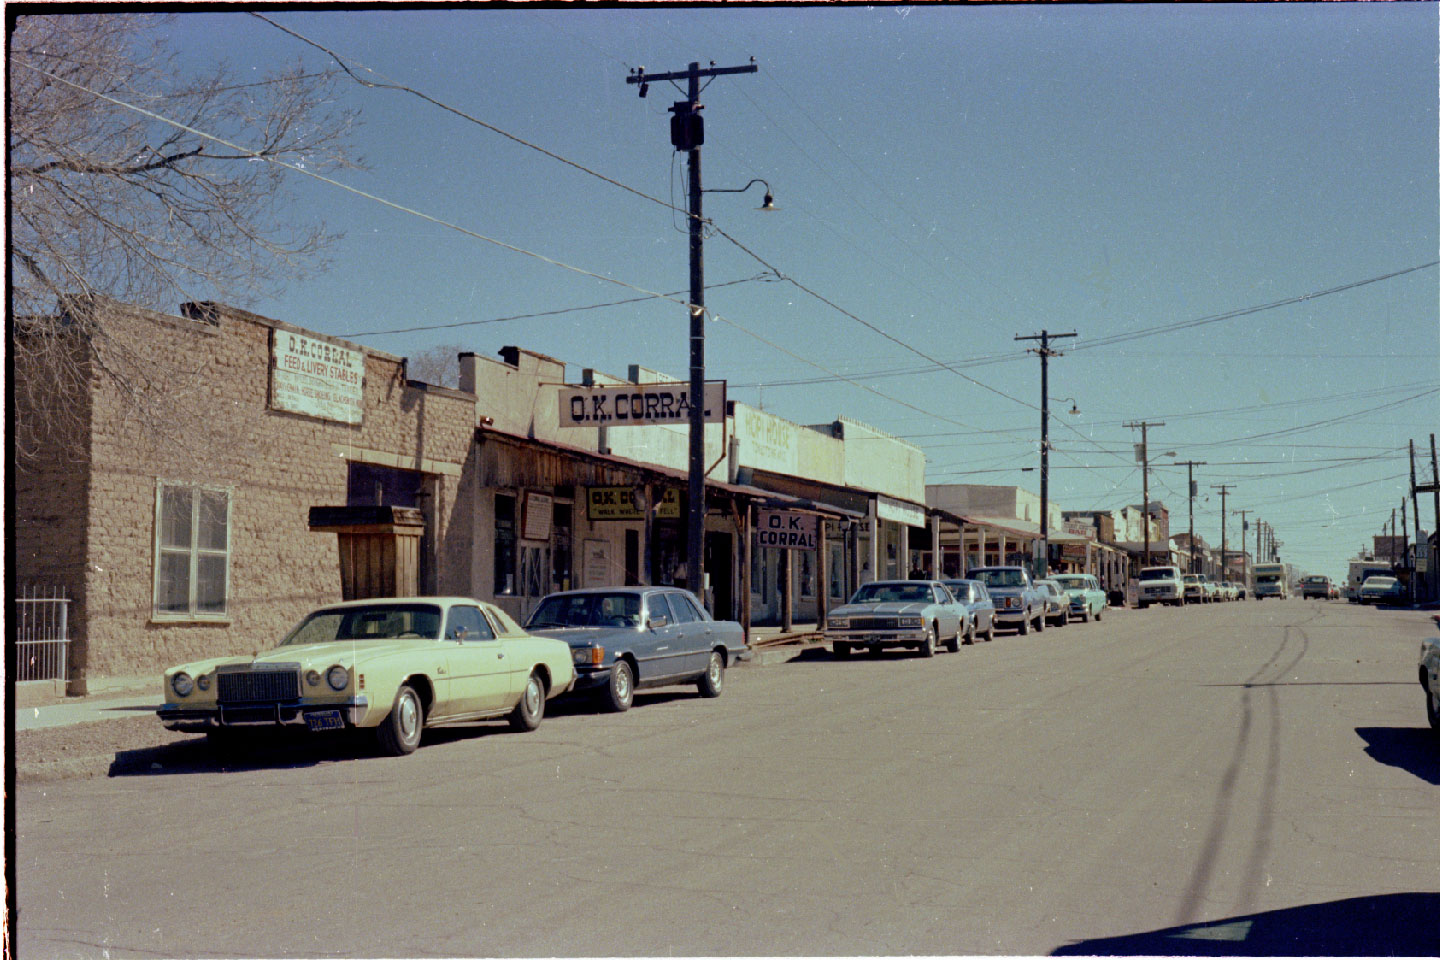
(837, 623)
(592, 654)
(312, 677)
(910, 621)
(338, 677)
(203, 681)
(182, 684)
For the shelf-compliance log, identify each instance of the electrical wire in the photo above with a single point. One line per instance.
(245, 151)
(543, 313)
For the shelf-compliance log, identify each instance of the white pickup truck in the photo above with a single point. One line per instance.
(1161, 585)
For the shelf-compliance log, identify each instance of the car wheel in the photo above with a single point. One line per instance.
(1098, 615)
(990, 634)
(1087, 616)
(962, 635)
(1432, 708)
(1040, 622)
(927, 646)
(712, 681)
(620, 691)
(531, 709)
(1025, 624)
(970, 634)
(840, 650)
(399, 733)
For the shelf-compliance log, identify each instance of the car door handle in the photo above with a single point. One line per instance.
(499, 656)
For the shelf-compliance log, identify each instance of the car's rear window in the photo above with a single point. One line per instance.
(586, 610)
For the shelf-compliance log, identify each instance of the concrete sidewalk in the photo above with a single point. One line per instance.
(110, 698)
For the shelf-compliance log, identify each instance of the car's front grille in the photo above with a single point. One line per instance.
(874, 623)
(267, 683)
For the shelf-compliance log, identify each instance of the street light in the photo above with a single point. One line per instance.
(1074, 407)
(768, 204)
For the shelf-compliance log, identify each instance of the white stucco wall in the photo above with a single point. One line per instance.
(876, 461)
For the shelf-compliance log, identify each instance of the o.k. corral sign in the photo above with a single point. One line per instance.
(786, 530)
(316, 378)
(638, 404)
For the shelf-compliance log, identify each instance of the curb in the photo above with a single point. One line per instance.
(71, 768)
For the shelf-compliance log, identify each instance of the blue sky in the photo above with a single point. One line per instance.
(953, 176)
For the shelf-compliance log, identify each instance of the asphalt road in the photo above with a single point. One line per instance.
(1246, 778)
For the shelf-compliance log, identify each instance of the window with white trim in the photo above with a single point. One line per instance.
(192, 552)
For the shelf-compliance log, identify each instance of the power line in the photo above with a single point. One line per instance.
(543, 313)
(253, 154)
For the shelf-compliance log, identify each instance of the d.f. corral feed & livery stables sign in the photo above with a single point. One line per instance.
(316, 377)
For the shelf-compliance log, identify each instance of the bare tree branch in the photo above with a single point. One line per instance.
(107, 203)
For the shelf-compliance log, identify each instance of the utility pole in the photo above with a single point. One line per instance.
(1145, 426)
(1190, 466)
(1434, 487)
(1043, 561)
(687, 133)
(1244, 560)
(1224, 488)
(1405, 545)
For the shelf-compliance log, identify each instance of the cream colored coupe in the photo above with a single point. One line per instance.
(393, 665)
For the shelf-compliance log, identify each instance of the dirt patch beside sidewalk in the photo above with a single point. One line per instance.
(87, 749)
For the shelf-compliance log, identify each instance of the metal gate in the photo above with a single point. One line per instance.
(42, 646)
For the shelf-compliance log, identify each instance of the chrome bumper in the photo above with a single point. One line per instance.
(177, 716)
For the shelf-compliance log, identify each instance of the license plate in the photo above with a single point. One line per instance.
(324, 720)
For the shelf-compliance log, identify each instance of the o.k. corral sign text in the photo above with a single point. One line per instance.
(316, 378)
(638, 404)
(786, 530)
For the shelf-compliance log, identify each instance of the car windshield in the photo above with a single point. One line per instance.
(1158, 573)
(587, 610)
(999, 578)
(892, 593)
(1267, 578)
(1072, 583)
(1192, 578)
(379, 621)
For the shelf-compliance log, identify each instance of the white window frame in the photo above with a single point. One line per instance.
(169, 616)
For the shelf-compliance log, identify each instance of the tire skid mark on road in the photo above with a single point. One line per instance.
(1263, 678)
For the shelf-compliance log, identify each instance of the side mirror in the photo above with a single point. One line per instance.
(655, 622)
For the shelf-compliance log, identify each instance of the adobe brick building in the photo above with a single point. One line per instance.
(173, 509)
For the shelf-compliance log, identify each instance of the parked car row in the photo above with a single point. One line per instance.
(396, 666)
(1319, 587)
(922, 615)
(1169, 586)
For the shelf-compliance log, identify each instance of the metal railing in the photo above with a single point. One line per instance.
(42, 645)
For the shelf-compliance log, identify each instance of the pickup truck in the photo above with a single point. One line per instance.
(1161, 585)
(1017, 602)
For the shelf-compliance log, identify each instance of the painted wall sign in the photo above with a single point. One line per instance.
(539, 512)
(316, 378)
(597, 564)
(767, 441)
(638, 404)
(618, 503)
(786, 530)
(897, 512)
